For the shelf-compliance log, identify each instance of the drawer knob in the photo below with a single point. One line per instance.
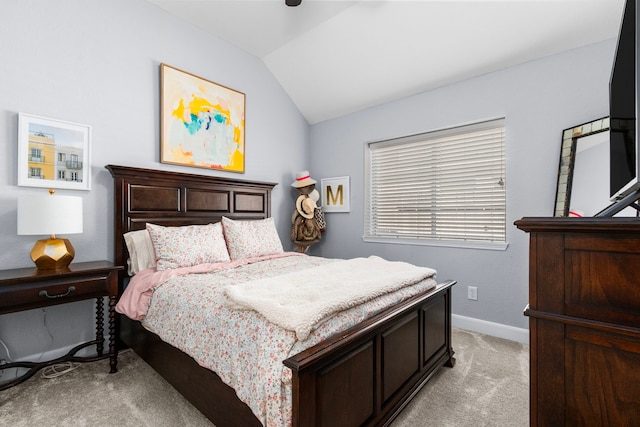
(69, 290)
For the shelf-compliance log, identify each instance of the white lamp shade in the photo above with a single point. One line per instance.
(49, 214)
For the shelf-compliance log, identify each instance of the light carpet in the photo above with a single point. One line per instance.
(489, 386)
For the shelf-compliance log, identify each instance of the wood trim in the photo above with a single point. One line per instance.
(579, 225)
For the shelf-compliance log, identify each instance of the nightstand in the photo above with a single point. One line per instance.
(28, 288)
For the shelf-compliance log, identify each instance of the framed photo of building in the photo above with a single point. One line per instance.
(53, 153)
(335, 194)
(202, 123)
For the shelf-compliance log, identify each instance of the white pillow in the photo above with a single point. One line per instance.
(140, 249)
(248, 239)
(187, 245)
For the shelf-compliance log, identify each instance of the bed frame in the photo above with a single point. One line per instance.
(364, 376)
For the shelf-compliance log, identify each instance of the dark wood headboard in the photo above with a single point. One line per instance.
(173, 198)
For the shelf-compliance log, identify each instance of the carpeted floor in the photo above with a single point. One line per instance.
(489, 386)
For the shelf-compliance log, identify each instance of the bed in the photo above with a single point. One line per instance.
(363, 376)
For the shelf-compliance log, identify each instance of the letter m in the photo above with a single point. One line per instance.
(333, 200)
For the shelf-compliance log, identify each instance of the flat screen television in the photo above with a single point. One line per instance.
(624, 152)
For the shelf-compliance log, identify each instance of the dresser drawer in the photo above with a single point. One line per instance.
(601, 279)
(55, 291)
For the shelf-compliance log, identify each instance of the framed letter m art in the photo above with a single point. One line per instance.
(335, 194)
(202, 123)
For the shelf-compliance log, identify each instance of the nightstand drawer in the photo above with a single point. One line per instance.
(54, 291)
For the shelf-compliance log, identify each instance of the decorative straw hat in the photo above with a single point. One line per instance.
(303, 179)
(305, 206)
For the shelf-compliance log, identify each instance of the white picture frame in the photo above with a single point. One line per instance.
(335, 194)
(53, 153)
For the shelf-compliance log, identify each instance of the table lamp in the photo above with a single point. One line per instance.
(50, 214)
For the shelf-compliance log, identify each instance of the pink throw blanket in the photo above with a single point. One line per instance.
(134, 301)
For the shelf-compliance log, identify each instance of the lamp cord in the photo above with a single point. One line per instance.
(59, 369)
(7, 350)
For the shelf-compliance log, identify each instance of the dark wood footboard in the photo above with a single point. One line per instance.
(368, 374)
(364, 376)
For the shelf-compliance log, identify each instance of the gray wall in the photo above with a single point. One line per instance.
(97, 63)
(539, 99)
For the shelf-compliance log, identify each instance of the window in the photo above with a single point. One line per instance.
(36, 155)
(443, 187)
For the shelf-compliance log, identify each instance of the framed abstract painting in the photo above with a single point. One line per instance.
(53, 153)
(202, 123)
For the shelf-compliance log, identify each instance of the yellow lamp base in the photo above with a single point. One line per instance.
(52, 254)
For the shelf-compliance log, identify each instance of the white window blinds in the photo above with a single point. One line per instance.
(445, 185)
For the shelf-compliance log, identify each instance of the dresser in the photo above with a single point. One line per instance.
(584, 321)
(28, 288)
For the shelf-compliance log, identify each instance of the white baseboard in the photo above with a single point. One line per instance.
(490, 328)
(59, 352)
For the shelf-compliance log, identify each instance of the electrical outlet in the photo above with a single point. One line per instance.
(472, 293)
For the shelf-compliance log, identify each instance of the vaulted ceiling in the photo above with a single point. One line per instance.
(337, 57)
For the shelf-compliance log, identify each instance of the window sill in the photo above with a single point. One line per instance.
(491, 246)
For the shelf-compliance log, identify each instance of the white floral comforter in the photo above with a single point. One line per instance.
(192, 313)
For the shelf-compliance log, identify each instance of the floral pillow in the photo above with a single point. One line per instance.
(141, 253)
(247, 239)
(188, 245)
